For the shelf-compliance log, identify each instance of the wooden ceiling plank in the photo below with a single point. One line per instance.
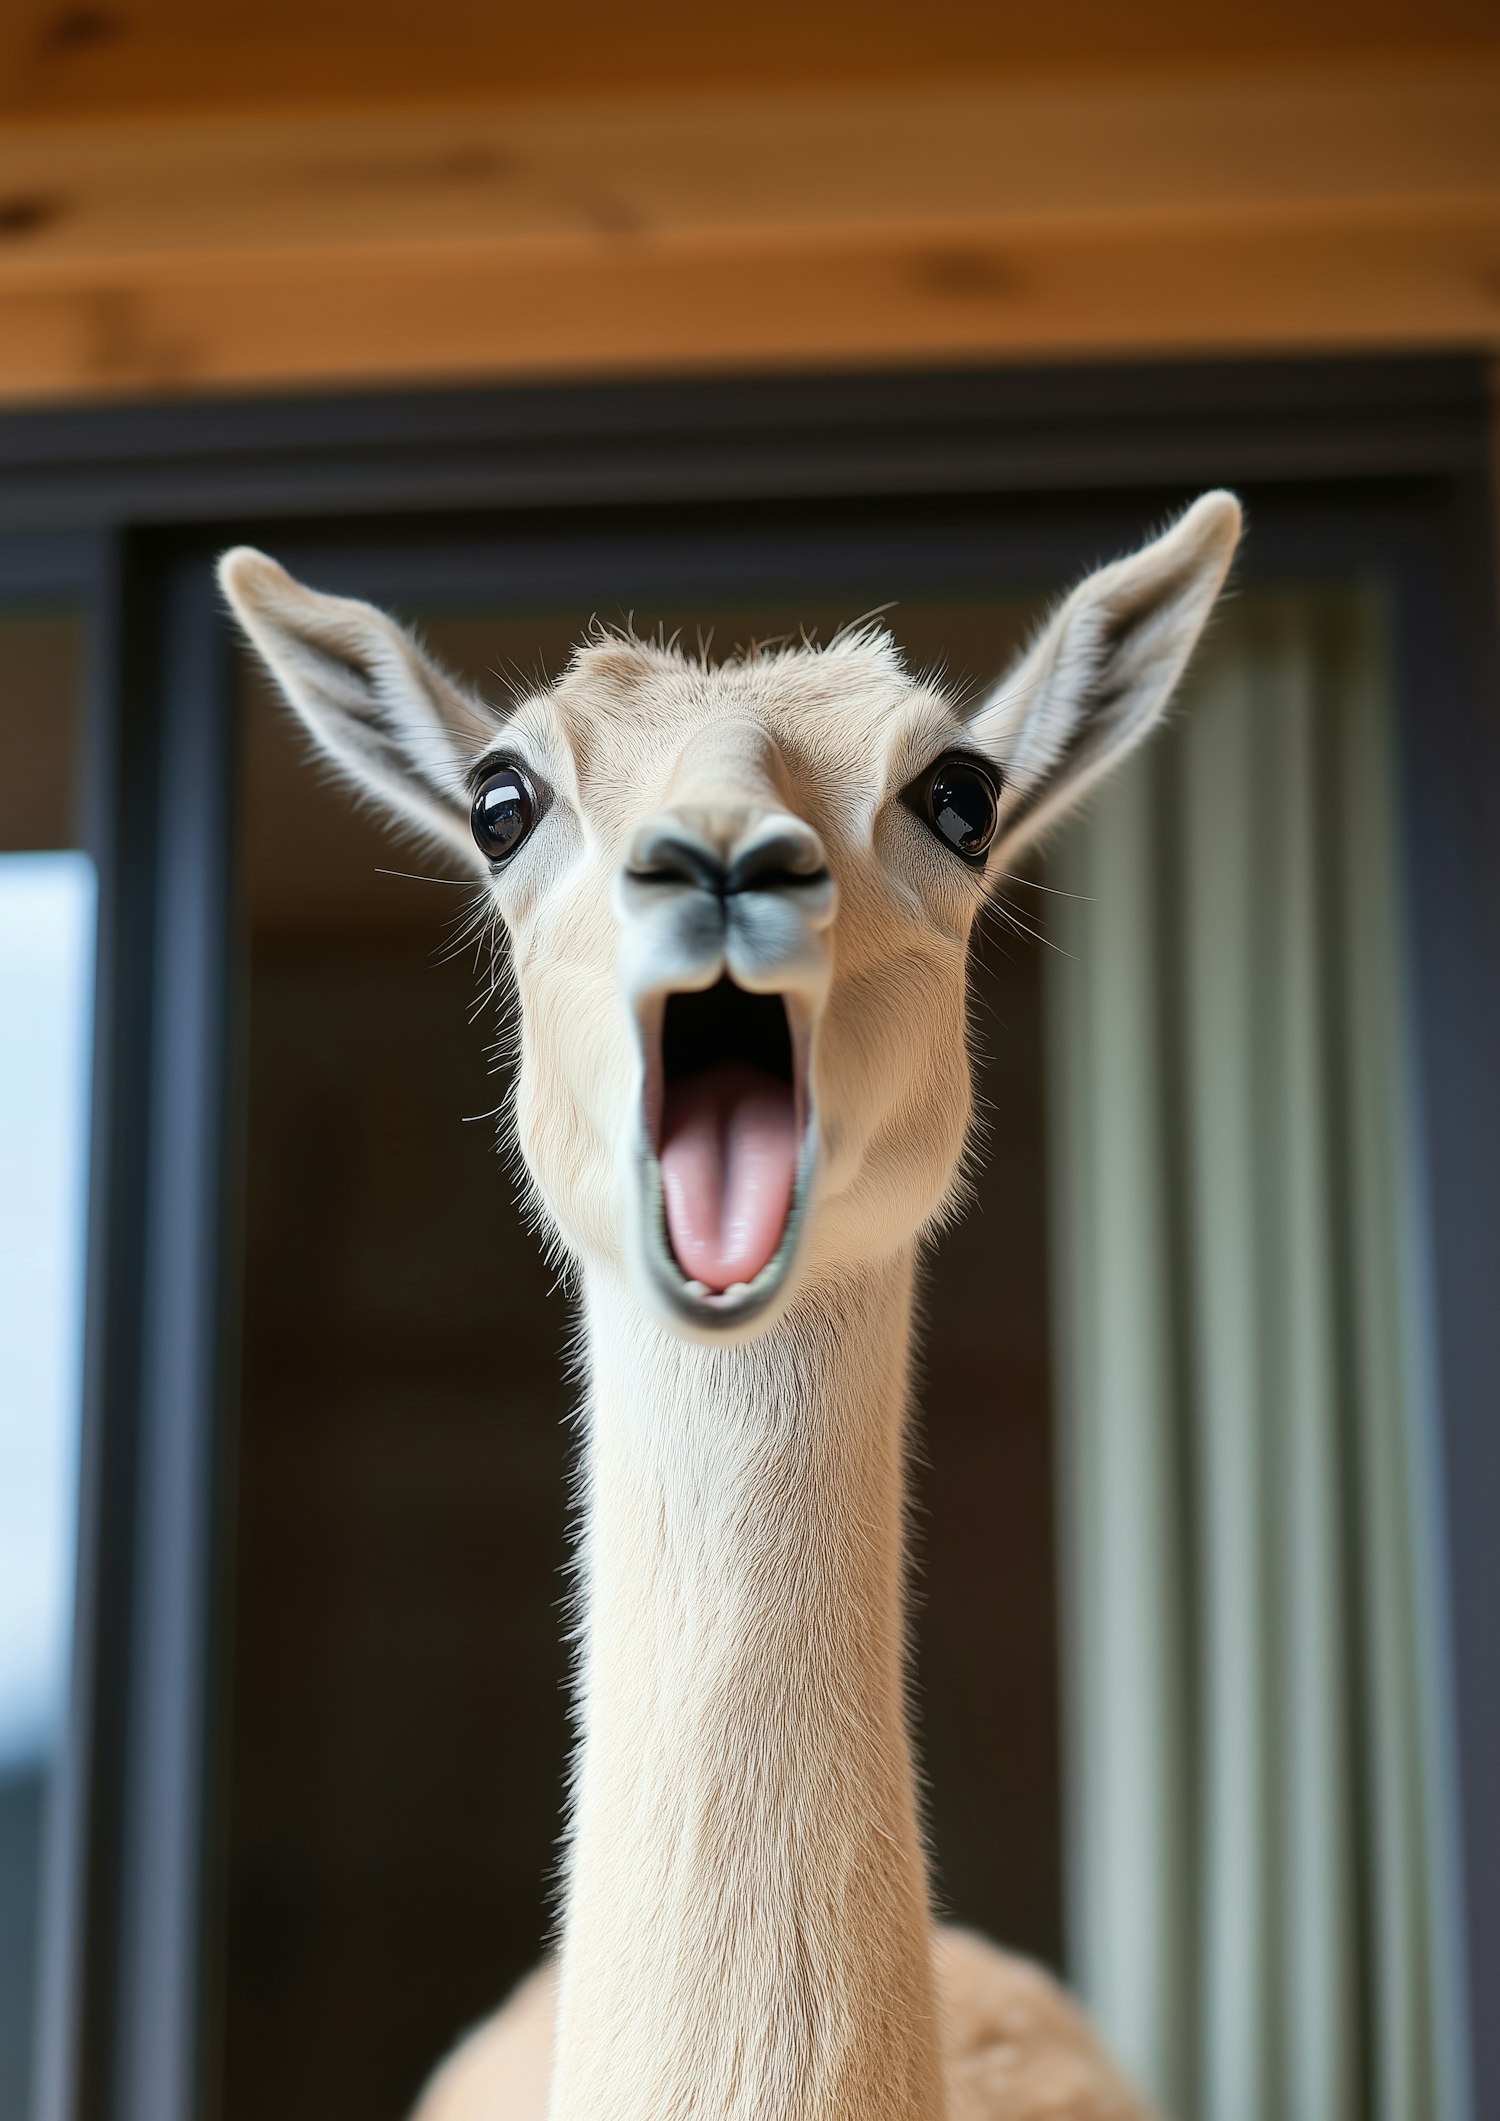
(1035, 298)
(1312, 208)
(777, 170)
(154, 57)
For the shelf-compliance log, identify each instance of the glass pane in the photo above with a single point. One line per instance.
(399, 1717)
(46, 994)
(1258, 1786)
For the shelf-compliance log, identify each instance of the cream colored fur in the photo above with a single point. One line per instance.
(1010, 2043)
(746, 1933)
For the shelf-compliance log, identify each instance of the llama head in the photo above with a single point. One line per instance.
(739, 899)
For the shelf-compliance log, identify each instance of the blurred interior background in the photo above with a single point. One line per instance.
(1211, 1372)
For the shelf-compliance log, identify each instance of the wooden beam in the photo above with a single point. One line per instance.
(156, 58)
(1356, 208)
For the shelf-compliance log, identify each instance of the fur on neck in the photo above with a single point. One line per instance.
(746, 1929)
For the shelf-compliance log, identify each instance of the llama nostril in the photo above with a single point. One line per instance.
(666, 854)
(784, 855)
(787, 857)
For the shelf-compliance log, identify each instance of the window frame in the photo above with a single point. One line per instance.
(1380, 468)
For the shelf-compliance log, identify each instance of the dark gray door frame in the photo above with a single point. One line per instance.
(1376, 468)
(124, 1935)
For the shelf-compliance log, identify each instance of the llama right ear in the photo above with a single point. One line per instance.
(372, 698)
(1099, 673)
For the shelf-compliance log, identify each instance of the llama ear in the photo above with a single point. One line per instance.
(373, 699)
(1101, 670)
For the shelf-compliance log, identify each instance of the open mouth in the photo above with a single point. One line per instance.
(730, 1139)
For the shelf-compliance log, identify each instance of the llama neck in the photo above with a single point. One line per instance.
(746, 1929)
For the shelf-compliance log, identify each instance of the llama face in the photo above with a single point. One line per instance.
(739, 900)
(739, 953)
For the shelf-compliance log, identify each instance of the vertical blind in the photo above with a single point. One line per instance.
(1261, 1888)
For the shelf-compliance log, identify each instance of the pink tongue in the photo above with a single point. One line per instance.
(728, 1158)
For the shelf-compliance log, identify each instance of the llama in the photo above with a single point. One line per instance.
(739, 899)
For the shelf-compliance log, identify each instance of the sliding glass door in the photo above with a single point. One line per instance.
(398, 1735)
(1261, 1814)
(47, 919)
(1207, 1463)
(1246, 1811)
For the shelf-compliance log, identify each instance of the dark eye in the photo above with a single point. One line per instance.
(960, 799)
(505, 809)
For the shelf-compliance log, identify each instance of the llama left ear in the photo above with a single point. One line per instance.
(389, 717)
(1099, 673)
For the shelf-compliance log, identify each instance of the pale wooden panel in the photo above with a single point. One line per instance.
(1378, 144)
(1308, 210)
(122, 56)
(375, 319)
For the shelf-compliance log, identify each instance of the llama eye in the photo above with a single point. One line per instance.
(960, 800)
(505, 809)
